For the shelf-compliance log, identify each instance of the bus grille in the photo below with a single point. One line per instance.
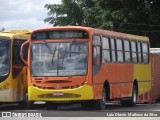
(66, 95)
(64, 87)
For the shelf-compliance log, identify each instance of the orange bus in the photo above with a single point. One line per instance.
(93, 66)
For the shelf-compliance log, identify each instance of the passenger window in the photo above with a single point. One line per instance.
(139, 52)
(134, 52)
(127, 51)
(113, 51)
(145, 49)
(119, 50)
(97, 54)
(16, 60)
(106, 49)
(16, 55)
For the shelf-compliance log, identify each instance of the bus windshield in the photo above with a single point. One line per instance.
(59, 59)
(4, 58)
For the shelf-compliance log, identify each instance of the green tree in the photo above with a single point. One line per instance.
(139, 17)
(68, 13)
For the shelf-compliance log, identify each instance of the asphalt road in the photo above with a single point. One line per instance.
(76, 110)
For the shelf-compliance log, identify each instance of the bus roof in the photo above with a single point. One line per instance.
(97, 31)
(16, 33)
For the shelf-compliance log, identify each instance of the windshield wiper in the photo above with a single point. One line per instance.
(50, 50)
(53, 54)
(70, 46)
(35, 66)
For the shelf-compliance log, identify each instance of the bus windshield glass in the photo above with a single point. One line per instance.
(4, 58)
(59, 59)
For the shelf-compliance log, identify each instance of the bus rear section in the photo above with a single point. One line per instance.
(13, 73)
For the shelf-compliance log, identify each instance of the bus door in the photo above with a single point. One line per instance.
(18, 71)
(97, 58)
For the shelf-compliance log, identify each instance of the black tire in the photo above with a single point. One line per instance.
(87, 103)
(131, 102)
(124, 103)
(133, 99)
(30, 105)
(101, 104)
(22, 104)
(51, 106)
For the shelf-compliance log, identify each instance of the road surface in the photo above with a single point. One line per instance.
(76, 110)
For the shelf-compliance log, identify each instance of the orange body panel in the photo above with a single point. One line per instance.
(120, 82)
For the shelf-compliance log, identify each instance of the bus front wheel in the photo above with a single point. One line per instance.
(30, 104)
(51, 105)
(101, 104)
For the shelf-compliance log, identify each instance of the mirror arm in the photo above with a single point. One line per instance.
(21, 52)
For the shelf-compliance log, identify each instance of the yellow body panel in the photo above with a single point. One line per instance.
(82, 93)
(13, 90)
(6, 91)
(142, 73)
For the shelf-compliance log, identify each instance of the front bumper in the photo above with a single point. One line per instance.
(84, 92)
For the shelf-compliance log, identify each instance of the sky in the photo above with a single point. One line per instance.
(24, 14)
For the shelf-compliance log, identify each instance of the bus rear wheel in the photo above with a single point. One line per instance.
(131, 102)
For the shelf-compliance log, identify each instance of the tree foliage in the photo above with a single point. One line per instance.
(130, 16)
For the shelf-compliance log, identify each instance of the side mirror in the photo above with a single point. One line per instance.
(24, 52)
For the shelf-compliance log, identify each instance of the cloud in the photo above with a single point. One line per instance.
(24, 14)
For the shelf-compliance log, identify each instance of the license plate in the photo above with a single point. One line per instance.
(58, 93)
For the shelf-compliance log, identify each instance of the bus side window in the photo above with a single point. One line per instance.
(119, 50)
(16, 60)
(113, 50)
(96, 54)
(145, 50)
(139, 52)
(106, 49)
(134, 52)
(16, 55)
(127, 51)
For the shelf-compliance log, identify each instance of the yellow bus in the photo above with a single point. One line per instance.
(13, 73)
(74, 63)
